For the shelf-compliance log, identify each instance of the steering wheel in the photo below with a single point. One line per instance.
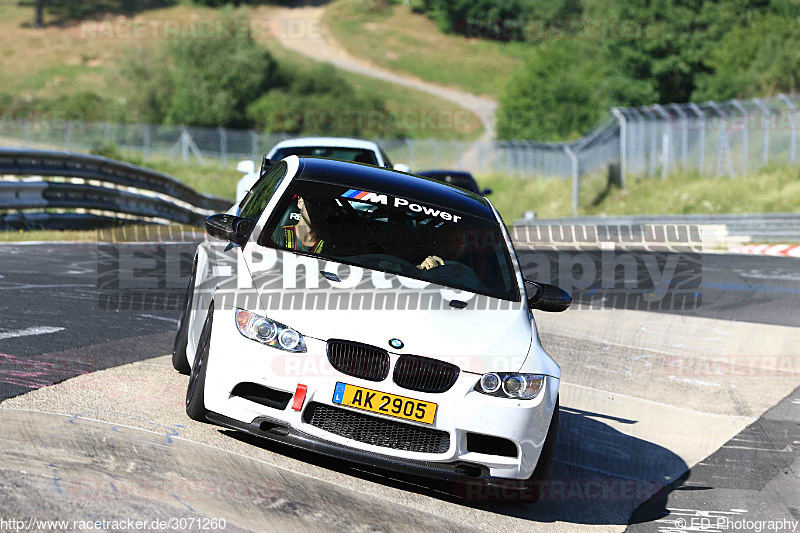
(402, 263)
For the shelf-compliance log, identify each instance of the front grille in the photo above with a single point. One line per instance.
(424, 374)
(376, 431)
(359, 360)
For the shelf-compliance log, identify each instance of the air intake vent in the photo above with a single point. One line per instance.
(424, 374)
(359, 360)
(376, 431)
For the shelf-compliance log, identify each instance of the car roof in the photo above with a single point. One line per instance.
(340, 142)
(460, 173)
(395, 183)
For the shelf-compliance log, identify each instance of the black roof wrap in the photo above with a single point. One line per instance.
(394, 183)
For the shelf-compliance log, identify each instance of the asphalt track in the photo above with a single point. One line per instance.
(640, 405)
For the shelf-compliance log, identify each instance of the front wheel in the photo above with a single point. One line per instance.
(180, 360)
(195, 392)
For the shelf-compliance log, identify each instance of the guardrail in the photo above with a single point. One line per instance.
(62, 187)
(760, 227)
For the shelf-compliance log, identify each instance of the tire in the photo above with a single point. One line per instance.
(180, 360)
(195, 391)
(534, 485)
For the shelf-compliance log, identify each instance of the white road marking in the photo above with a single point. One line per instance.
(173, 320)
(28, 332)
(58, 286)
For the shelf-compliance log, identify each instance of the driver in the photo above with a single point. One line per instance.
(304, 235)
(453, 249)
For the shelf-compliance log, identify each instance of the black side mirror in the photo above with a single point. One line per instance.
(230, 228)
(549, 297)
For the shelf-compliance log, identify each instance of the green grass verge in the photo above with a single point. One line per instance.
(773, 190)
(58, 61)
(393, 37)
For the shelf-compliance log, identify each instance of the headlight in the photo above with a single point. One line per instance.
(269, 332)
(510, 385)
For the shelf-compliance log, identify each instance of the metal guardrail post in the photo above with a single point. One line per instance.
(746, 126)
(793, 118)
(575, 178)
(702, 159)
(765, 112)
(623, 145)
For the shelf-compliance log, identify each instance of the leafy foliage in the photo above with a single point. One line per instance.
(234, 82)
(672, 51)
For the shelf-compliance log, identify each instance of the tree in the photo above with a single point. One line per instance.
(39, 22)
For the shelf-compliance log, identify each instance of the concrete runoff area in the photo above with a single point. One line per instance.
(645, 397)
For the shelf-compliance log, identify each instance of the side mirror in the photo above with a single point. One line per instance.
(549, 297)
(486, 192)
(246, 166)
(230, 228)
(402, 168)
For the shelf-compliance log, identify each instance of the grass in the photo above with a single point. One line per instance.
(398, 99)
(773, 190)
(394, 37)
(128, 233)
(210, 178)
(64, 60)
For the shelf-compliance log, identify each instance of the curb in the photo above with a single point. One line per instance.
(779, 250)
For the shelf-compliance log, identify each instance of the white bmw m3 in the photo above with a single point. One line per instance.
(373, 316)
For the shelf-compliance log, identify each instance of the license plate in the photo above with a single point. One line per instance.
(384, 403)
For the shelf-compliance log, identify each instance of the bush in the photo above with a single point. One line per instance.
(317, 100)
(555, 96)
(503, 20)
(236, 83)
(202, 82)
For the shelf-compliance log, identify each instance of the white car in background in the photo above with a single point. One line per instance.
(342, 148)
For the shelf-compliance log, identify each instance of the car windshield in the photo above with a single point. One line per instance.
(393, 234)
(459, 180)
(359, 155)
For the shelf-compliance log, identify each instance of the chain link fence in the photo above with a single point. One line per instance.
(731, 138)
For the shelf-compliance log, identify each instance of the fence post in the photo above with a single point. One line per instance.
(254, 145)
(765, 112)
(699, 112)
(793, 115)
(637, 142)
(146, 139)
(666, 139)
(623, 145)
(575, 178)
(653, 142)
(223, 145)
(684, 135)
(68, 136)
(745, 130)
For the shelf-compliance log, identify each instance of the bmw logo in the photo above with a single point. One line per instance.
(396, 344)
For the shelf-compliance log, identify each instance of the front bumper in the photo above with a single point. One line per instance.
(234, 359)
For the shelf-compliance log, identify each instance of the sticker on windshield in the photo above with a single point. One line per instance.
(375, 198)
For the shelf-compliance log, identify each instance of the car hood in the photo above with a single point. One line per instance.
(487, 335)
